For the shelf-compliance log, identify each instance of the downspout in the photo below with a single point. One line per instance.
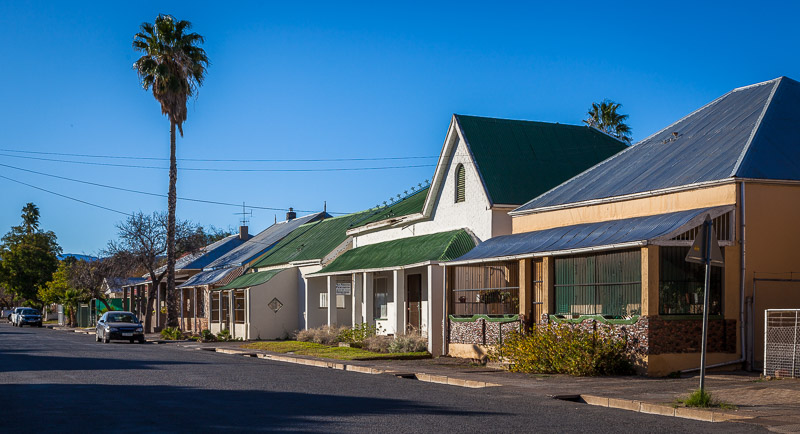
(742, 269)
(742, 222)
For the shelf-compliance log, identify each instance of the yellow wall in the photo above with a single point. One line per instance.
(772, 239)
(672, 202)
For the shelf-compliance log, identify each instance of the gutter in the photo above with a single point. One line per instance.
(552, 253)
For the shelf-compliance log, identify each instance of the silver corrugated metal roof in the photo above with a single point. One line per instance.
(208, 277)
(209, 253)
(750, 132)
(260, 243)
(588, 235)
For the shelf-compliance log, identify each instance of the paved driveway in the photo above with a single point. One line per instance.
(65, 381)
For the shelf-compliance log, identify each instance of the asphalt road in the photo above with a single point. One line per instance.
(61, 381)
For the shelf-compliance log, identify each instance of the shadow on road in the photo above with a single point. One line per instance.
(17, 360)
(164, 408)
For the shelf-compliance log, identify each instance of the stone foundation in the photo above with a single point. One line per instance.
(480, 331)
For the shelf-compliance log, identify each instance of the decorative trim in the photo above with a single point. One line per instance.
(490, 318)
(599, 318)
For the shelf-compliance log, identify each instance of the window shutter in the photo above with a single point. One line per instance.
(460, 184)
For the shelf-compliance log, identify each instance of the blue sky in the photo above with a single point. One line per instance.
(339, 80)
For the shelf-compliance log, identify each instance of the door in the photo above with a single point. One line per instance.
(414, 303)
(225, 318)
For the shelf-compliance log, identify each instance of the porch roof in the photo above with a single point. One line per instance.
(441, 246)
(209, 277)
(630, 232)
(252, 279)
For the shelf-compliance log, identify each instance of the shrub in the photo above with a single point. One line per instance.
(207, 336)
(326, 335)
(408, 344)
(172, 334)
(356, 335)
(224, 335)
(564, 350)
(698, 398)
(377, 343)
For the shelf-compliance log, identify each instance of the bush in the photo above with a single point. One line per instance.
(408, 344)
(564, 350)
(207, 336)
(356, 335)
(325, 335)
(172, 334)
(224, 335)
(377, 343)
(698, 398)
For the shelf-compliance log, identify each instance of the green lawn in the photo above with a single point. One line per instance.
(328, 352)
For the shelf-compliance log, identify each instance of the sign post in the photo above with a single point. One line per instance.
(705, 250)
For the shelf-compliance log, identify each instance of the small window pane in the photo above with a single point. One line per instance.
(381, 299)
(340, 301)
(323, 300)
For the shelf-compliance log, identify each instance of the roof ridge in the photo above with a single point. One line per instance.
(562, 124)
(756, 128)
(453, 238)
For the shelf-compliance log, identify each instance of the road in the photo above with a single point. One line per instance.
(66, 381)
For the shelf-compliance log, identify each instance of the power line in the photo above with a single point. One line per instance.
(66, 197)
(212, 202)
(220, 160)
(209, 169)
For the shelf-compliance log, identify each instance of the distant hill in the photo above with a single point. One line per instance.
(76, 256)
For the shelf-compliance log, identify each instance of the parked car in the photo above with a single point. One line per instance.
(7, 313)
(119, 325)
(26, 316)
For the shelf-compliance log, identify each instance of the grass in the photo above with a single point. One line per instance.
(703, 399)
(328, 352)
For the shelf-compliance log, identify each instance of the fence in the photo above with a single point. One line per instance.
(782, 343)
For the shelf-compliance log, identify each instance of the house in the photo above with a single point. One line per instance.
(195, 303)
(609, 245)
(136, 293)
(112, 286)
(487, 167)
(270, 300)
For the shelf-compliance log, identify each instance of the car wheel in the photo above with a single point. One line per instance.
(105, 338)
(96, 337)
(141, 340)
(39, 325)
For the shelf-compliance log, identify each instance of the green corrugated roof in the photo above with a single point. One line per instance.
(310, 241)
(520, 160)
(251, 279)
(409, 205)
(442, 246)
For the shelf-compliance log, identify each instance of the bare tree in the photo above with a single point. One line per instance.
(143, 239)
(89, 275)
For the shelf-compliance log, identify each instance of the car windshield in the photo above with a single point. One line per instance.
(29, 312)
(122, 317)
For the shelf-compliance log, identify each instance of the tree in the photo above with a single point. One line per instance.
(28, 257)
(143, 239)
(605, 118)
(88, 276)
(173, 66)
(71, 299)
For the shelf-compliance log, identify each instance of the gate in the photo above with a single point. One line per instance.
(782, 343)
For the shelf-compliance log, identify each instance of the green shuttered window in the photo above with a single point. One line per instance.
(460, 184)
(602, 284)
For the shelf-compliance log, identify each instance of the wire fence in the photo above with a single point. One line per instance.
(782, 343)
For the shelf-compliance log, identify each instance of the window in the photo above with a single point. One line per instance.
(224, 304)
(682, 284)
(238, 306)
(608, 284)
(460, 184)
(323, 300)
(381, 298)
(485, 289)
(215, 306)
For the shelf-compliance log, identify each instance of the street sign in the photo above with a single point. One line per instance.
(697, 253)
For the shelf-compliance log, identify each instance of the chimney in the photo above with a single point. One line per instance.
(291, 214)
(243, 235)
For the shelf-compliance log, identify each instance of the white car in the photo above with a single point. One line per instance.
(26, 316)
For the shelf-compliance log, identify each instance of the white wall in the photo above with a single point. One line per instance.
(263, 322)
(473, 213)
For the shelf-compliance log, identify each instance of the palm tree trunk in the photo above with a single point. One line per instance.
(172, 296)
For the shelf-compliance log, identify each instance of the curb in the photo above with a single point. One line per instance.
(661, 409)
(421, 376)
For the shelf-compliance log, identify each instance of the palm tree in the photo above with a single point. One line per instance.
(71, 299)
(605, 118)
(173, 66)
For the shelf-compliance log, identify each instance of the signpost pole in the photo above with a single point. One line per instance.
(706, 297)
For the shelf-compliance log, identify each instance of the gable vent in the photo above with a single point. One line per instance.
(460, 184)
